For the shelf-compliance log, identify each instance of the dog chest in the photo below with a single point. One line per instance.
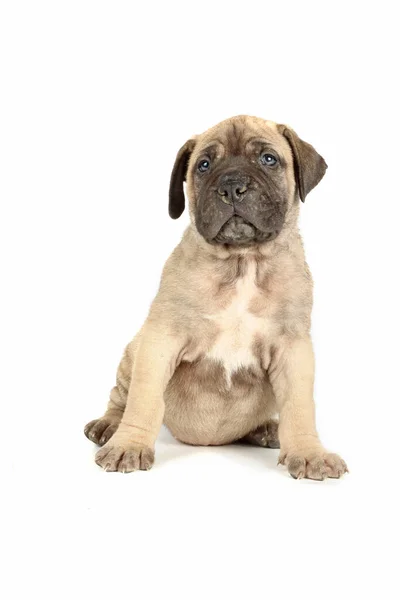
(238, 328)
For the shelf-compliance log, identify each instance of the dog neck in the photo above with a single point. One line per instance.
(288, 240)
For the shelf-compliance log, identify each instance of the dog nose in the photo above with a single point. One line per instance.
(232, 188)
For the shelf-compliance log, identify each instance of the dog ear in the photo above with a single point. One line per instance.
(309, 166)
(178, 176)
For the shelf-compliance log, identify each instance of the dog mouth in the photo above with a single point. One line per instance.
(238, 231)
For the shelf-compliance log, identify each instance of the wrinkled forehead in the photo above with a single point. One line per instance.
(238, 137)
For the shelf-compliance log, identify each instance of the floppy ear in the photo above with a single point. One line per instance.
(309, 166)
(178, 176)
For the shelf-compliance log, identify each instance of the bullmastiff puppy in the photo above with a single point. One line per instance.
(225, 353)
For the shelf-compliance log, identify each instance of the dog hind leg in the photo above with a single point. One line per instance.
(99, 431)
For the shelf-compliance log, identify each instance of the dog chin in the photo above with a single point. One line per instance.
(239, 232)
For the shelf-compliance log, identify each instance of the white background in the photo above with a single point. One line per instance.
(96, 98)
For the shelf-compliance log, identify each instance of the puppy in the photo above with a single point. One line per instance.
(225, 350)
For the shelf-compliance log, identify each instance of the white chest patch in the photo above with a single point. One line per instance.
(237, 327)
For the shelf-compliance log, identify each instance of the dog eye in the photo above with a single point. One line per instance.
(203, 165)
(269, 160)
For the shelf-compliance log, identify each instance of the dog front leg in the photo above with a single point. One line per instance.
(292, 377)
(132, 446)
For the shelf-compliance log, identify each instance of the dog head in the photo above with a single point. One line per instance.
(244, 179)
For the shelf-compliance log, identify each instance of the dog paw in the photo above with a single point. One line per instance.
(125, 458)
(265, 436)
(313, 464)
(101, 430)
